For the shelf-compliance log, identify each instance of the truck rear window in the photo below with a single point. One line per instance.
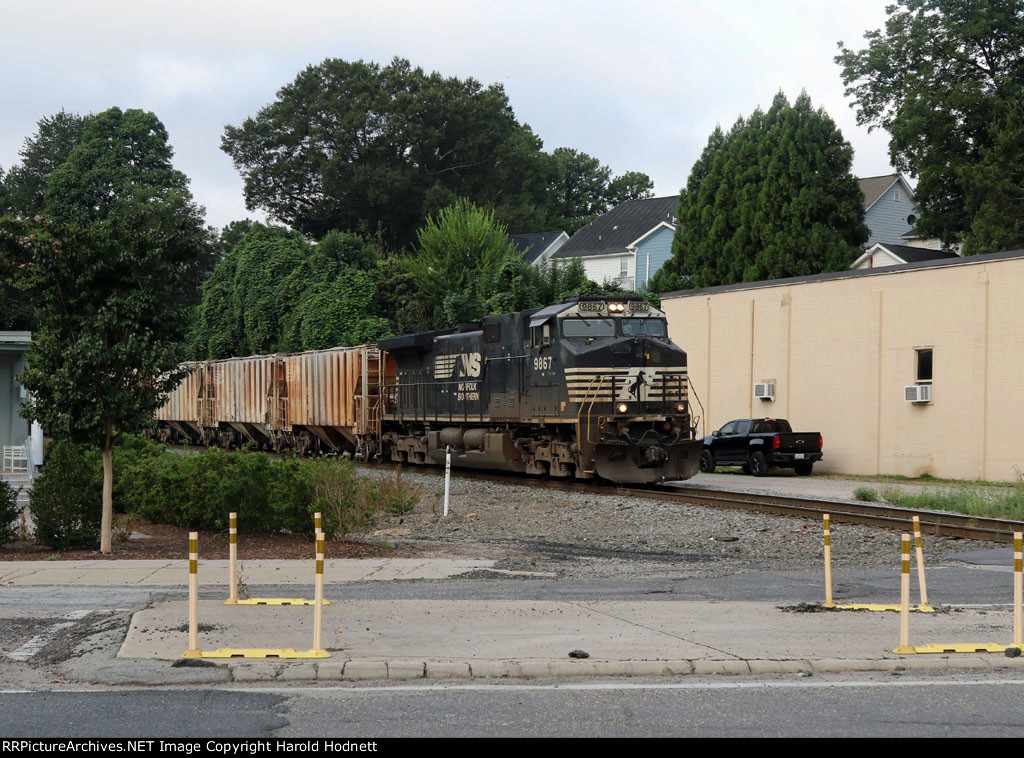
(772, 426)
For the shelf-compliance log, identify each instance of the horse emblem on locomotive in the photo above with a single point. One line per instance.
(589, 388)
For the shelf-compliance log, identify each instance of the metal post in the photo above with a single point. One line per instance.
(318, 600)
(828, 564)
(905, 597)
(233, 556)
(317, 524)
(1017, 584)
(920, 562)
(447, 476)
(193, 597)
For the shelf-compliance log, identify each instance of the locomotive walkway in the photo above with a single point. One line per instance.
(405, 639)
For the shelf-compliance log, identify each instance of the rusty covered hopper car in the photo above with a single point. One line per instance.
(315, 401)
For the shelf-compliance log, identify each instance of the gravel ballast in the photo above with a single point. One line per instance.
(596, 533)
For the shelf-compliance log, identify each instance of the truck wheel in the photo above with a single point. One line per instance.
(707, 462)
(758, 464)
(804, 468)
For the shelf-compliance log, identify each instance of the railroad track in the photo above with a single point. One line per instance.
(936, 523)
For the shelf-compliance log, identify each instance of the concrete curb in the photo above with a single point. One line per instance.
(408, 670)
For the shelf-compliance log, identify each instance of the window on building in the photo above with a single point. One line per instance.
(924, 365)
(624, 266)
(896, 195)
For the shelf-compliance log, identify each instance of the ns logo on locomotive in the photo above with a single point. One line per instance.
(589, 388)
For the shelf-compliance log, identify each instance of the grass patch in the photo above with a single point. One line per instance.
(1006, 502)
(866, 494)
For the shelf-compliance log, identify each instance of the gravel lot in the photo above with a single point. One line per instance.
(598, 534)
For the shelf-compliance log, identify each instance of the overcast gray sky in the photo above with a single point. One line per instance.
(637, 85)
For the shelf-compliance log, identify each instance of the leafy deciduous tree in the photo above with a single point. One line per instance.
(103, 280)
(939, 80)
(41, 155)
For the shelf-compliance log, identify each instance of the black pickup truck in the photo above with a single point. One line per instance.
(758, 443)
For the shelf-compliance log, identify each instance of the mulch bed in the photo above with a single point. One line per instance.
(168, 542)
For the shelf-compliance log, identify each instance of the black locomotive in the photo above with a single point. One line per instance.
(588, 388)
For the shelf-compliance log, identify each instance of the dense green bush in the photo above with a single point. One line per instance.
(9, 512)
(66, 500)
(199, 490)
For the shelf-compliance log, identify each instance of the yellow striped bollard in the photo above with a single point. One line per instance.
(193, 597)
(905, 597)
(318, 600)
(828, 563)
(1017, 584)
(317, 523)
(233, 556)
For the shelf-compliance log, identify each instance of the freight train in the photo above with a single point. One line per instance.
(589, 388)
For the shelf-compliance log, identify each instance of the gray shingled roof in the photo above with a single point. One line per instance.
(917, 254)
(622, 225)
(874, 186)
(532, 245)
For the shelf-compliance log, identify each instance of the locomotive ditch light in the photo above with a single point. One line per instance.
(621, 407)
(680, 407)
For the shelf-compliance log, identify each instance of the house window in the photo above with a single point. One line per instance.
(624, 266)
(924, 365)
(896, 195)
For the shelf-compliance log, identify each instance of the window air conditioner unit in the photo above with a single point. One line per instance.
(764, 390)
(918, 393)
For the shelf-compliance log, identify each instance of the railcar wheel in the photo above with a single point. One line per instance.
(804, 468)
(707, 462)
(758, 464)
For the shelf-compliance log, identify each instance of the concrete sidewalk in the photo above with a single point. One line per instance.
(174, 573)
(397, 639)
(442, 639)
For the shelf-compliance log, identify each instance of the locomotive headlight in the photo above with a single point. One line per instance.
(622, 407)
(616, 308)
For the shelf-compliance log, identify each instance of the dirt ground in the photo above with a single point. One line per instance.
(163, 542)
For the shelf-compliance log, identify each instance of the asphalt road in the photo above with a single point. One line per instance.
(835, 706)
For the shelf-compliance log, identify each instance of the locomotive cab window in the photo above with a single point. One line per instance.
(540, 336)
(588, 327)
(492, 332)
(650, 327)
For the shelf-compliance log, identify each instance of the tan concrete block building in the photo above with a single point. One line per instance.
(909, 370)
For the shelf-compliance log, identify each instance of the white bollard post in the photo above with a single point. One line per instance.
(447, 476)
(920, 562)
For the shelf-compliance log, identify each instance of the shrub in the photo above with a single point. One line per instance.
(392, 494)
(66, 501)
(339, 496)
(866, 494)
(9, 513)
